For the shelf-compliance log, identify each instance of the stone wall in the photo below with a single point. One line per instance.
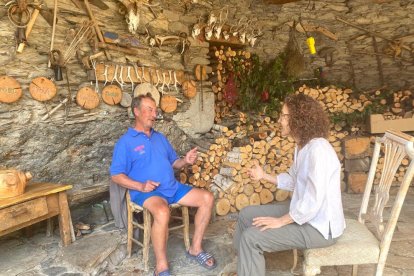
(77, 149)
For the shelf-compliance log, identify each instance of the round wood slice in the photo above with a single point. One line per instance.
(222, 206)
(112, 94)
(10, 90)
(42, 89)
(183, 177)
(248, 189)
(126, 99)
(281, 195)
(145, 88)
(241, 201)
(266, 196)
(200, 72)
(254, 199)
(189, 89)
(87, 98)
(168, 103)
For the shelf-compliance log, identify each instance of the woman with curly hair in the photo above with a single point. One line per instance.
(314, 216)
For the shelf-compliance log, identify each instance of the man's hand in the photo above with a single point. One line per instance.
(268, 223)
(149, 186)
(191, 156)
(256, 172)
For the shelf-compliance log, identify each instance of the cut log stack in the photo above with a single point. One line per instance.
(222, 61)
(228, 152)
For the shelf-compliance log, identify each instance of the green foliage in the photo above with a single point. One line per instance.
(263, 85)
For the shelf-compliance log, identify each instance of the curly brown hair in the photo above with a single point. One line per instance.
(307, 119)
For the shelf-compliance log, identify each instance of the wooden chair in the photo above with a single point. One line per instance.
(358, 245)
(146, 227)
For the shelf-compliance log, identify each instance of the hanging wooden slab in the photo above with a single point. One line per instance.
(189, 89)
(168, 103)
(10, 90)
(112, 94)
(200, 72)
(87, 98)
(126, 100)
(145, 88)
(42, 89)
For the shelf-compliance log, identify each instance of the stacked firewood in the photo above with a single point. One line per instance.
(398, 105)
(223, 65)
(230, 148)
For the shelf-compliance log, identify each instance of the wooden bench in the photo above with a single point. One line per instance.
(39, 202)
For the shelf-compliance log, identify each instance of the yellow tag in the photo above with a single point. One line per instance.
(311, 44)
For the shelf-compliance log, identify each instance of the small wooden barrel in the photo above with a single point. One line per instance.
(87, 98)
(112, 94)
(189, 89)
(168, 103)
(10, 90)
(42, 89)
(13, 182)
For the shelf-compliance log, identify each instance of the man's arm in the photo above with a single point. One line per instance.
(188, 159)
(126, 182)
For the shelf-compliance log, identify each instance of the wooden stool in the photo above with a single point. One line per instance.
(146, 227)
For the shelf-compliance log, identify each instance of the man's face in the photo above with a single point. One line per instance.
(284, 121)
(146, 114)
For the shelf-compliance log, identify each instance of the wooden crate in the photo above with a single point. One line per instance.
(379, 125)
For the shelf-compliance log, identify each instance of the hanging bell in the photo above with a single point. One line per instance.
(58, 73)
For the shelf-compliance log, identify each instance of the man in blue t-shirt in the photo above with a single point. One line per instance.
(144, 162)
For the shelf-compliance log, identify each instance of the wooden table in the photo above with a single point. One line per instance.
(39, 202)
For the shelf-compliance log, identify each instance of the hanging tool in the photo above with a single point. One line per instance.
(52, 41)
(97, 29)
(310, 40)
(201, 74)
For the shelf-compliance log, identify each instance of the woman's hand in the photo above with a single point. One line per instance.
(271, 222)
(267, 223)
(256, 172)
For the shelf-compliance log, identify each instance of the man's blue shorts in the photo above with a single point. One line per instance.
(140, 197)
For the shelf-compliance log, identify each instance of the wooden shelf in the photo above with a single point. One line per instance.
(379, 125)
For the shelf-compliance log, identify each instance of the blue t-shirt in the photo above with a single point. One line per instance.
(144, 158)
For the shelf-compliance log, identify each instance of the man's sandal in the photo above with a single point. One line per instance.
(202, 259)
(163, 273)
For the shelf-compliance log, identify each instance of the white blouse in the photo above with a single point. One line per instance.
(315, 179)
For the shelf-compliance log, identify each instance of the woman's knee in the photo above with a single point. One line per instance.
(247, 213)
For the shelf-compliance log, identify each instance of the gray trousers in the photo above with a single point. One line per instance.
(250, 242)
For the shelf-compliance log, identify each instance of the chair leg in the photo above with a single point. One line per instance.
(186, 229)
(130, 231)
(310, 270)
(354, 270)
(295, 261)
(146, 238)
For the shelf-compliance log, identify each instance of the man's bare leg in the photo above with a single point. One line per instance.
(204, 201)
(160, 211)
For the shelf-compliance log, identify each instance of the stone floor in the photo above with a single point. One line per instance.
(103, 252)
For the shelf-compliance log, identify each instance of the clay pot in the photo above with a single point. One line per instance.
(13, 182)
